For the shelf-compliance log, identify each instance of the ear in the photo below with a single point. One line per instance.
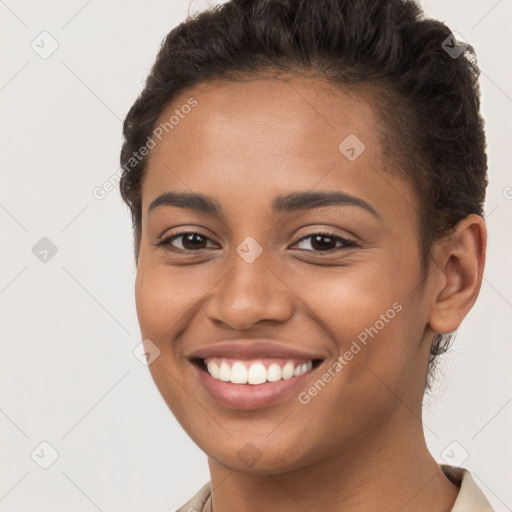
(459, 261)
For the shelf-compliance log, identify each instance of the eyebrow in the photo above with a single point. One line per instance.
(296, 201)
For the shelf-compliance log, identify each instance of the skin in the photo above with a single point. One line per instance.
(359, 443)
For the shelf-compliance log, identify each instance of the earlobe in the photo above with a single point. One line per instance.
(460, 260)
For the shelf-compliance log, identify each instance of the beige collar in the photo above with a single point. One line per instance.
(470, 497)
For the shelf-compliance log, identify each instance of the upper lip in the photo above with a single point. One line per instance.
(251, 349)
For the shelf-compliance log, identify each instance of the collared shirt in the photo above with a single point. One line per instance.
(470, 497)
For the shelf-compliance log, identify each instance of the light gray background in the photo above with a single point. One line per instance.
(69, 326)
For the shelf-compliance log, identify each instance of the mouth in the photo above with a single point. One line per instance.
(247, 374)
(254, 372)
(249, 384)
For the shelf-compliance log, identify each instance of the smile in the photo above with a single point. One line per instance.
(256, 372)
(253, 373)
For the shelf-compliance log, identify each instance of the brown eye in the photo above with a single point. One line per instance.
(193, 241)
(322, 242)
(188, 241)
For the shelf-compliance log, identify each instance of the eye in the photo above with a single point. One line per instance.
(187, 241)
(325, 242)
(191, 241)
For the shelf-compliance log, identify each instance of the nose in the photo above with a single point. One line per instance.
(250, 293)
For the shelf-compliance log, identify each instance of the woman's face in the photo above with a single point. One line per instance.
(258, 281)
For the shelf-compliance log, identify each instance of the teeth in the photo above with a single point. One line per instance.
(224, 372)
(213, 369)
(288, 371)
(274, 372)
(241, 372)
(257, 374)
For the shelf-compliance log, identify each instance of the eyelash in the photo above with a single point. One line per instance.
(166, 242)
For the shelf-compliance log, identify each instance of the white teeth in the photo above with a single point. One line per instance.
(213, 369)
(239, 373)
(288, 371)
(255, 373)
(274, 372)
(224, 372)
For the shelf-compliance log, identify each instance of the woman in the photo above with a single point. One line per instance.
(306, 182)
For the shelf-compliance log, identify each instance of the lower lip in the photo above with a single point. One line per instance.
(249, 396)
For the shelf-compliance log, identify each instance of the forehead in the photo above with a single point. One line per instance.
(258, 138)
(265, 113)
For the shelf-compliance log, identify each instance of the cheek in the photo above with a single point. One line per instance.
(373, 323)
(159, 307)
(349, 300)
(156, 306)
(161, 297)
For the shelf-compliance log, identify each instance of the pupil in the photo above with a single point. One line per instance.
(318, 242)
(195, 240)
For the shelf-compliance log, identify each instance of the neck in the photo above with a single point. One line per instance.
(392, 469)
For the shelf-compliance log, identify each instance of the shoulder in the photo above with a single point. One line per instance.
(197, 502)
(470, 498)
